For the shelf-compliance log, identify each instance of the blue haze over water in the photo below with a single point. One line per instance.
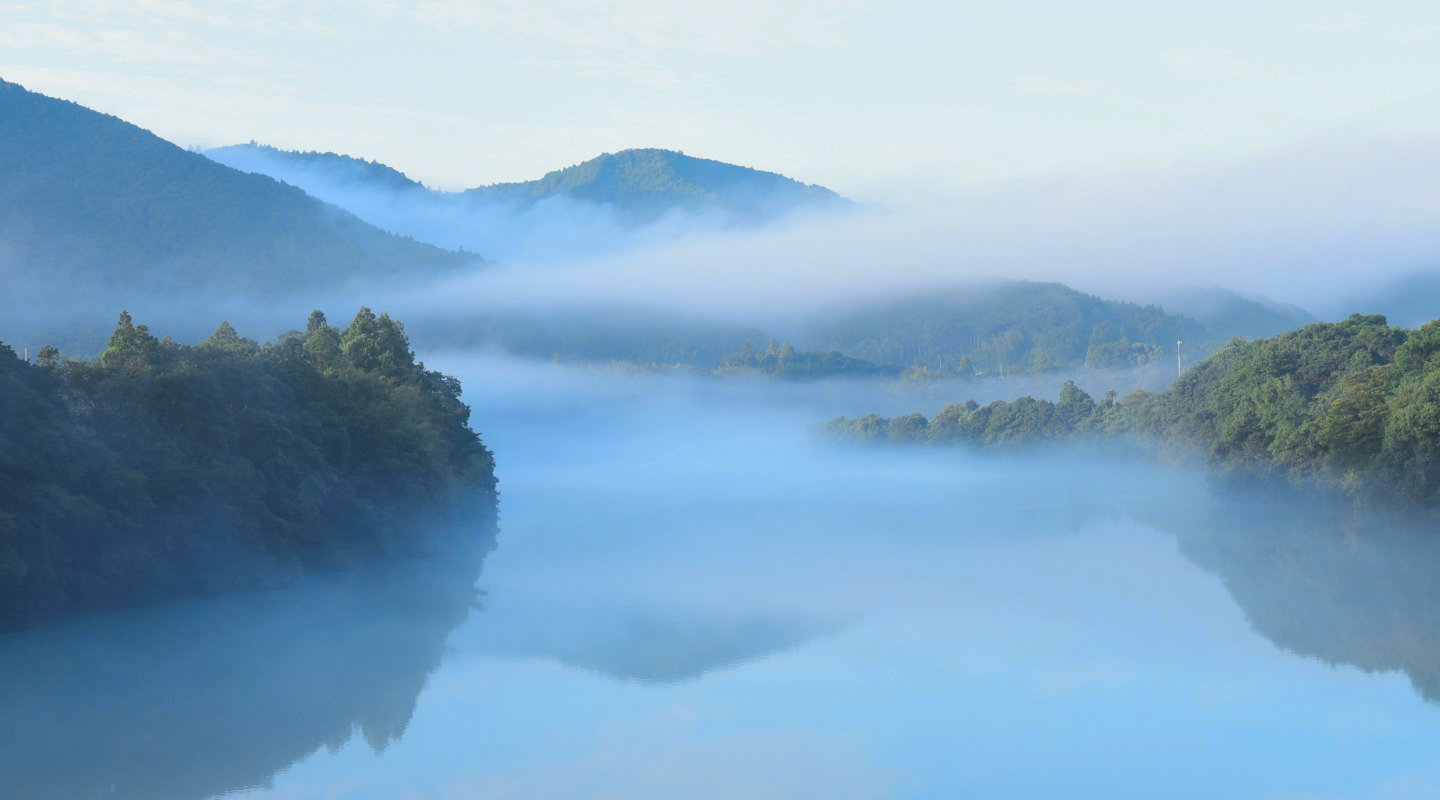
(691, 598)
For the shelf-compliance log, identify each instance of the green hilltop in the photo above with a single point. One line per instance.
(640, 184)
(645, 183)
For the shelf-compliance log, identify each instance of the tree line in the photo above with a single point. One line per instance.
(1353, 405)
(162, 469)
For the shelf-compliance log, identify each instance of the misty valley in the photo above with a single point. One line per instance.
(660, 476)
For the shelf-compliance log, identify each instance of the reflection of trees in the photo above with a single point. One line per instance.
(207, 696)
(652, 649)
(1321, 579)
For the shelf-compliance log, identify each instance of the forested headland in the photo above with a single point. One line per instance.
(1353, 405)
(161, 469)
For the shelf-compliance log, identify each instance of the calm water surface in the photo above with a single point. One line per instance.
(689, 599)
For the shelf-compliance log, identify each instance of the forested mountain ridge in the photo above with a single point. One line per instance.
(90, 200)
(261, 158)
(1040, 329)
(645, 183)
(161, 469)
(1010, 326)
(639, 186)
(1353, 405)
(1225, 313)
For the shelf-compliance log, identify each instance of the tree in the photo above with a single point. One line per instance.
(378, 344)
(48, 357)
(131, 345)
(226, 338)
(150, 470)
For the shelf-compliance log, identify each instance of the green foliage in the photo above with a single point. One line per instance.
(1225, 313)
(161, 469)
(644, 184)
(784, 361)
(1121, 355)
(1009, 328)
(1354, 405)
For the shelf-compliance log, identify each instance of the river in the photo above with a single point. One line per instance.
(688, 597)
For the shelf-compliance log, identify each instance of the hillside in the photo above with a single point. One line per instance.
(1016, 326)
(1348, 405)
(645, 183)
(607, 204)
(89, 201)
(1225, 313)
(291, 165)
(161, 469)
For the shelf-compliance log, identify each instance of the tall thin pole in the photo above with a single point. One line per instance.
(1179, 371)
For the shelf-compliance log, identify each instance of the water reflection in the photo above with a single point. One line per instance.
(199, 698)
(645, 647)
(1322, 579)
(859, 601)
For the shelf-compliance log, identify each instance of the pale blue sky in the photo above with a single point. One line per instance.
(870, 98)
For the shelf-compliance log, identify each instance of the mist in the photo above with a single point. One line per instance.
(1324, 225)
(1321, 225)
(1079, 437)
(679, 567)
(521, 230)
(1309, 226)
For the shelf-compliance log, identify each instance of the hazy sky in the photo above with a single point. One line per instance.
(868, 97)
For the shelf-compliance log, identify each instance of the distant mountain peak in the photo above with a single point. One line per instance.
(646, 182)
(605, 204)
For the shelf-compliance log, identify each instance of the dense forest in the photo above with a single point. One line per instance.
(288, 164)
(784, 361)
(1353, 405)
(1042, 330)
(87, 195)
(644, 184)
(163, 469)
(1226, 314)
(639, 185)
(1010, 327)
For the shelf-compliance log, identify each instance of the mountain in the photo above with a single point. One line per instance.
(1225, 313)
(291, 166)
(89, 201)
(647, 183)
(1006, 327)
(607, 204)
